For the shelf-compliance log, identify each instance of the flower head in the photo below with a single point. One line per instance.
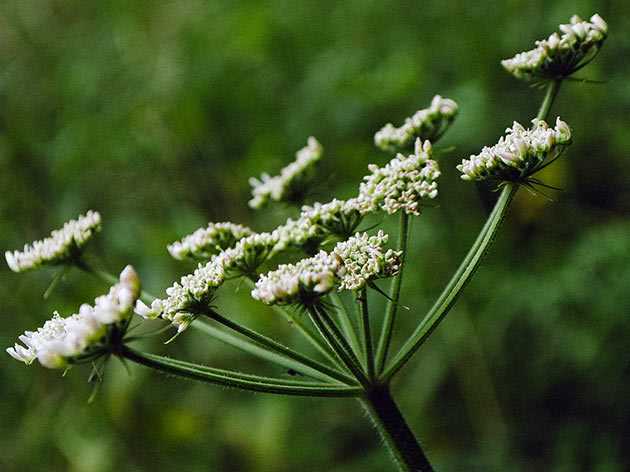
(349, 266)
(428, 123)
(518, 154)
(60, 247)
(63, 341)
(403, 183)
(561, 54)
(290, 185)
(187, 298)
(206, 242)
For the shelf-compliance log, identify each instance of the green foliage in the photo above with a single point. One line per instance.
(156, 113)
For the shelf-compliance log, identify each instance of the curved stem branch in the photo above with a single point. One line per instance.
(347, 326)
(235, 379)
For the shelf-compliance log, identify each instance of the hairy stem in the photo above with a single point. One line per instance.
(394, 296)
(347, 326)
(364, 318)
(398, 437)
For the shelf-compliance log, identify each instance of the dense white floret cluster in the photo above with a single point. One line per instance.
(519, 153)
(249, 253)
(290, 185)
(561, 54)
(62, 341)
(403, 183)
(349, 266)
(429, 123)
(337, 217)
(187, 298)
(60, 247)
(206, 242)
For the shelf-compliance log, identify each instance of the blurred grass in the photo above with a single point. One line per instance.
(156, 113)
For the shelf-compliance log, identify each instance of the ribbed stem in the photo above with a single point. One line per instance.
(364, 318)
(305, 364)
(398, 437)
(345, 322)
(394, 296)
(235, 379)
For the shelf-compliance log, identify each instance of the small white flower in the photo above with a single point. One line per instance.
(429, 123)
(206, 242)
(60, 340)
(291, 184)
(349, 266)
(518, 154)
(60, 247)
(560, 55)
(403, 183)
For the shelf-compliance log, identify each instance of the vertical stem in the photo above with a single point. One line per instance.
(364, 318)
(392, 306)
(395, 432)
(552, 91)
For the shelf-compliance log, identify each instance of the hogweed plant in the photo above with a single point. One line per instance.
(355, 356)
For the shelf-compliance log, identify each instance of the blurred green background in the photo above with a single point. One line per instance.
(156, 113)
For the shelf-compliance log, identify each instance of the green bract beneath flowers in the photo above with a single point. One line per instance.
(290, 185)
(519, 154)
(560, 55)
(83, 336)
(429, 123)
(206, 242)
(403, 183)
(61, 247)
(349, 266)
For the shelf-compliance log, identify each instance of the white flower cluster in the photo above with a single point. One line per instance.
(349, 266)
(188, 297)
(363, 258)
(62, 340)
(429, 123)
(403, 183)
(338, 217)
(519, 154)
(291, 182)
(560, 55)
(206, 242)
(61, 246)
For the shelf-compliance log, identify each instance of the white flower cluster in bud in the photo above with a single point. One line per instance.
(337, 217)
(349, 266)
(61, 246)
(429, 123)
(186, 298)
(206, 242)
(519, 153)
(194, 292)
(62, 340)
(560, 55)
(291, 182)
(403, 183)
(363, 258)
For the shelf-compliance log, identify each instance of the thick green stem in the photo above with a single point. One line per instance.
(364, 317)
(395, 432)
(394, 296)
(235, 379)
(305, 364)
